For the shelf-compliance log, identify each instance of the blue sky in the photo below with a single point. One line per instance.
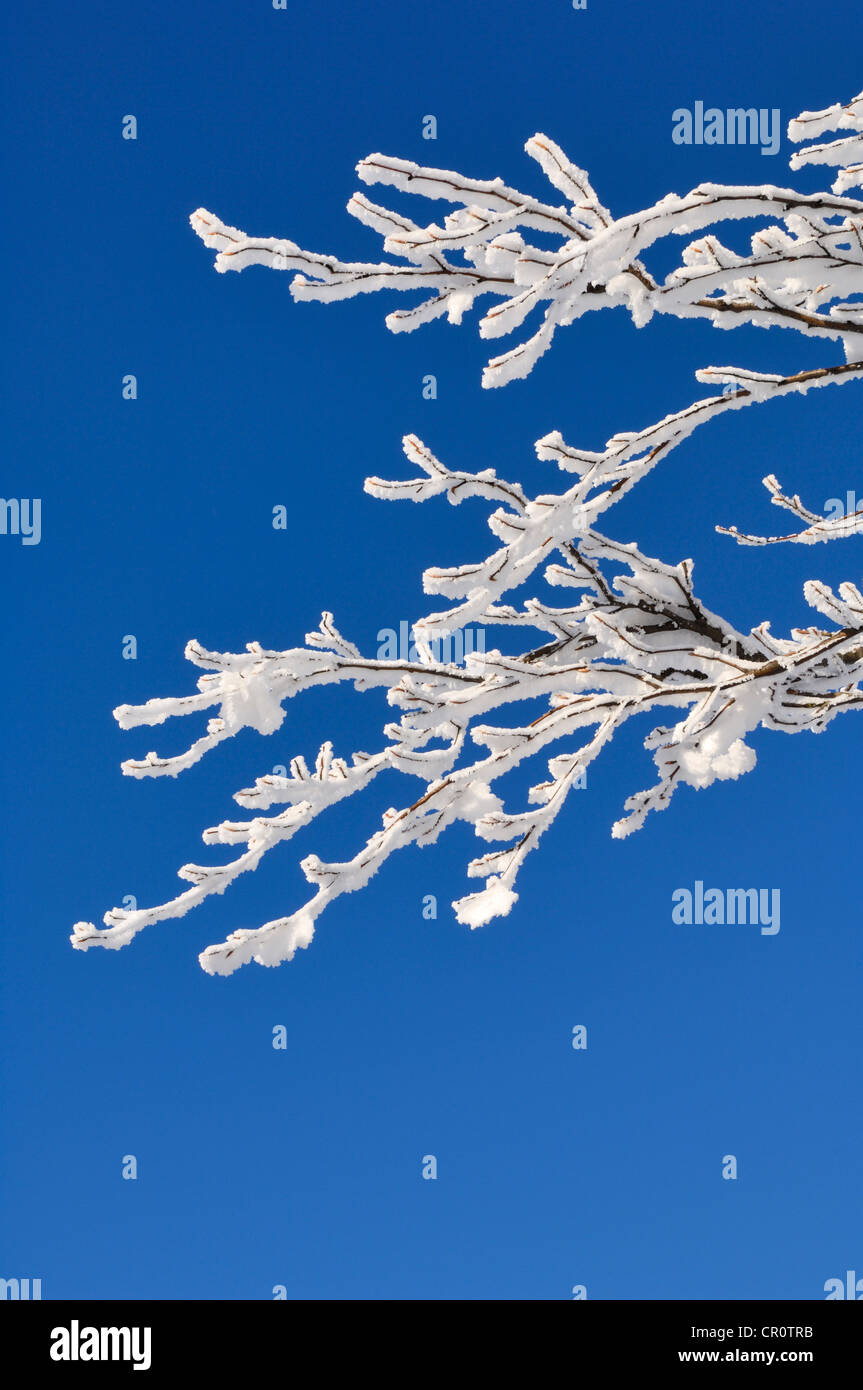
(406, 1037)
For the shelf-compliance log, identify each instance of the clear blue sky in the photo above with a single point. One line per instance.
(406, 1037)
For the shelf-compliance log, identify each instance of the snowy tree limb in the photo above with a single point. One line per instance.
(636, 639)
(798, 275)
(635, 643)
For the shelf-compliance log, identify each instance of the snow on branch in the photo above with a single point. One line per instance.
(805, 273)
(634, 640)
(844, 154)
(818, 528)
(623, 633)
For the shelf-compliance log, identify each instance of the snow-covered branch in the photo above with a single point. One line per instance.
(637, 641)
(817, 528)
(844, 154)
(805, 273)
